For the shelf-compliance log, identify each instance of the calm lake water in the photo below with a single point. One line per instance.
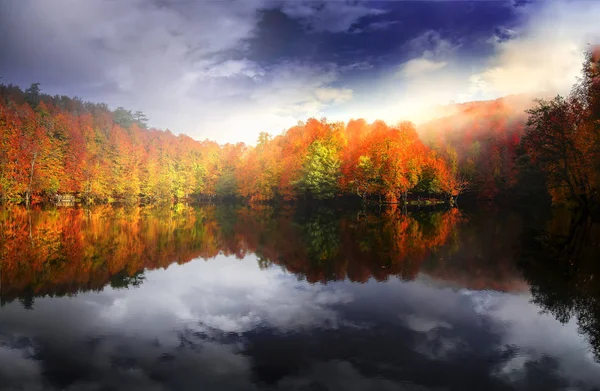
(233, 298)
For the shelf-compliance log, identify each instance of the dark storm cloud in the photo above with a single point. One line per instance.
(381, 34)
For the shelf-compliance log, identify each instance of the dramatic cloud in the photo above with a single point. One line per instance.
(546, 56)
(433, 51)
(183, 63)
(273, 100)
(540, 53)
(227, 70)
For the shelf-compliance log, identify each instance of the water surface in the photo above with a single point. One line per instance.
(229, 297)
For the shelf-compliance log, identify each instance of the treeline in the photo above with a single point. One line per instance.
(53, 146)
(56, 145)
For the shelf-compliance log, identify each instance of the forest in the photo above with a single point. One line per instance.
(56, 147)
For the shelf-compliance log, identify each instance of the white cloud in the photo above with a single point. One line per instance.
(421, 324)
(541, 57)
(420, 66)
(430, 44)
(223, 294)
(230, 68)
(238, 107)
(546, 56)
(357, 66)
(433, 53)
(330, 94)
(431, 77)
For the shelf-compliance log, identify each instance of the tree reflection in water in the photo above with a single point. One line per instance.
(559, 257)
(57, 252)
(64, 251)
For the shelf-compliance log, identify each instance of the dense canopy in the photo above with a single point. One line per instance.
(52, 147)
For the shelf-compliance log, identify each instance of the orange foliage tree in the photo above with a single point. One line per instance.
(57, 147)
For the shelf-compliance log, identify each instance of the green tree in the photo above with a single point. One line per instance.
(32, 95)
(123, 117)
(226, 184)
(141, 119)
(320, 171)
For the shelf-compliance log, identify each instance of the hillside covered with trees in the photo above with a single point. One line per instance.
(58, 145)
(51, 146)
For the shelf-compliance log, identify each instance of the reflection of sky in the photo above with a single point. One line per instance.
(226, 324)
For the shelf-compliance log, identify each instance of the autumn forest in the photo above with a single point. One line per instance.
(52, 147)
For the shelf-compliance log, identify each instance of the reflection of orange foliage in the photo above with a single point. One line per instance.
(367, 247)
(64, 251)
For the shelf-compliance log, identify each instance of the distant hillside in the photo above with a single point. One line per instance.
(477, 120)
(482, 138)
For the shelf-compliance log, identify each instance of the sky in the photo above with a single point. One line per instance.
(227, 70)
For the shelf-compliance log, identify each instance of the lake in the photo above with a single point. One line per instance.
(225, 297)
